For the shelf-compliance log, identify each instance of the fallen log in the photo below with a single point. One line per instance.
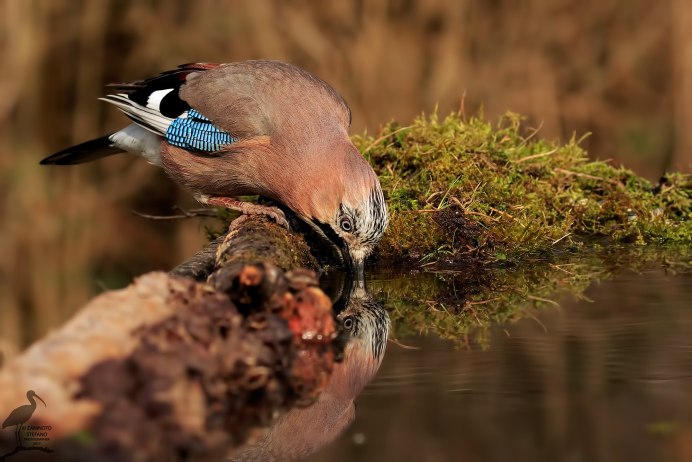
(174, 369)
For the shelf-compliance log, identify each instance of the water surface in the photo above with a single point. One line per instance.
(607, 378)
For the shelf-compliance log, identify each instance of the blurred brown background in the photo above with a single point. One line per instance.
(620, 69)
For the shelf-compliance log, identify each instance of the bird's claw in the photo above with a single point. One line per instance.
(248, 208)
(278, 216)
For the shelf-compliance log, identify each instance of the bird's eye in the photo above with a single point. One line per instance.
(348, 323)
(346, 224)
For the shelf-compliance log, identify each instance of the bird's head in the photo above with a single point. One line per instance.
(352, 214)
(31, 393)
(357, 226)
(365, 323)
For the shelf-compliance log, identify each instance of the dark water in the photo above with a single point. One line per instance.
(604, 379)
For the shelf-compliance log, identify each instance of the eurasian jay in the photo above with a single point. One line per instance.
(252, 128)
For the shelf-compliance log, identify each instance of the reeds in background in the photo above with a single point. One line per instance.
(620, 69)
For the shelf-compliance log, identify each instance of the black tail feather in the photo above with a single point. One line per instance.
(85, 152)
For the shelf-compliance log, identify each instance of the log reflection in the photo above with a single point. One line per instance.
(302, 431)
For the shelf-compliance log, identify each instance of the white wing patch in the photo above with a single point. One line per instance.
(154, 100)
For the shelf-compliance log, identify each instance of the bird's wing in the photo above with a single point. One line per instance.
(205, 107)
(156, 105)
(265, 98)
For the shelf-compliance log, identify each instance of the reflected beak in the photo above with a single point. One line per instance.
(44, 403)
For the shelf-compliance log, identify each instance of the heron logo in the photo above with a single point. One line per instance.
(33, 437)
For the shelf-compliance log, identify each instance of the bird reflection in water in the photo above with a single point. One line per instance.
(302, 431)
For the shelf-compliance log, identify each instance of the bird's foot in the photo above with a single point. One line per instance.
(247, 208)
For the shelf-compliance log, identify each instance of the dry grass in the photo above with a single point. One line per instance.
(584, 66)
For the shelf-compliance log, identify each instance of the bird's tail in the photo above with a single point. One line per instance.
(84, 152)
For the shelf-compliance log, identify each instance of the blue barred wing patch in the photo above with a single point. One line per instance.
(194, 132)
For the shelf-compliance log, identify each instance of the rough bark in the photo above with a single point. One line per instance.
(174, 369)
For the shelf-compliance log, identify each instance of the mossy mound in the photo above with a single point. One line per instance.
(462, 189)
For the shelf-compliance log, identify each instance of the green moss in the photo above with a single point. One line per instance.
(460, 187)
(529, 221)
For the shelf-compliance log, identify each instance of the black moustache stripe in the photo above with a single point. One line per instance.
(331, 234)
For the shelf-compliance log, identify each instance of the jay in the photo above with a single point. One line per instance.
(262, 128)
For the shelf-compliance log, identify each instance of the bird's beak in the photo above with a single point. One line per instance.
(356, 263)
(358, 267)
(44, 403)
